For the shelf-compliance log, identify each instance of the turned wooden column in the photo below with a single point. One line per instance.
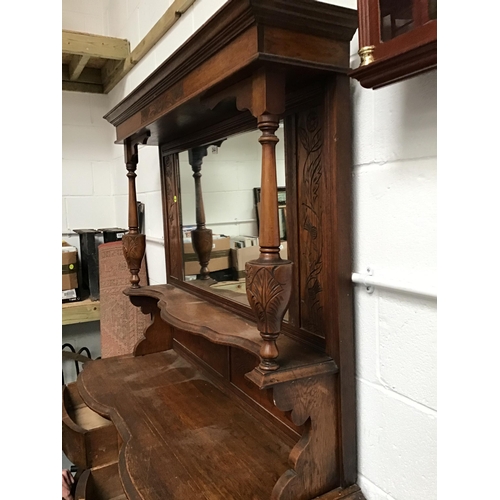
(134, 243)
(269, 278)
(201, 237)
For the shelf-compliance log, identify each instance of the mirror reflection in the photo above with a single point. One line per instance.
(220, 197)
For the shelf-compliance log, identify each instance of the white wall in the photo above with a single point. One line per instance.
(395, 235)
(87, 151)
(228, 179)
(87, 16)
(394, 177)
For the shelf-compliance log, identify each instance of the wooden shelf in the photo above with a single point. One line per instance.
(80, 312)
(88, 60)
(96, 63)
(196, 442)
(197, 316)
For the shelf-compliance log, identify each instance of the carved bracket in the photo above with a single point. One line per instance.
(314, 458)
(262, 93)
(158, 335)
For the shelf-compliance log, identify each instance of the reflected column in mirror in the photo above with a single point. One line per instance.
(201, 237)
(231, 176)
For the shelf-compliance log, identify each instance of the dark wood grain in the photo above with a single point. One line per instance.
(201, 237)
(350, 493)
(191, 314)
(158, 335)
(194, 443)
(340, 341)
(299, 46)
(102, 483)
(312, 216)
(243, 363)
(134, 243)
(89, 440)
(172, 223)
(202, 406)
(211, 357)
(314, 459)
(233, 42)
(224, 27)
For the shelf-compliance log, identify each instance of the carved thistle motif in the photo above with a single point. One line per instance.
(268, 291)
(311, 141)
(134, 247)
(168, 166)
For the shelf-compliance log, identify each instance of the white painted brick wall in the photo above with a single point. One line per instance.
(87, 16)
(87, 152)
(395, 235)
(394, 178)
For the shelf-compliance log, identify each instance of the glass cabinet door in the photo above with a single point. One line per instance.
(397, 39)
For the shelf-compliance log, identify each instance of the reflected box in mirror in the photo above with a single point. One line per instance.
(240, 256)
(219, 258)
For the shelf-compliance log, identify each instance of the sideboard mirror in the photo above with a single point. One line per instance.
(219, 211)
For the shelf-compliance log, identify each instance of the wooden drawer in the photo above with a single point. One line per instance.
(100, 484)
(88, 439)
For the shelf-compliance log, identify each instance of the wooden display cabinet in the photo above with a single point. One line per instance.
(397, 40)
(225, 399)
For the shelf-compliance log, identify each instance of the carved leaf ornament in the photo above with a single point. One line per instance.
(169, 188)
(268, 294)
(311, 140)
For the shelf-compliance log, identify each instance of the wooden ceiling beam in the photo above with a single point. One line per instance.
(92, 88)
(88, 75)
(115, 72)
(85, 44)
(166, 21)
(76, 66)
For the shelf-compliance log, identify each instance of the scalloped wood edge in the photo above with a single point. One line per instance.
(165, 302)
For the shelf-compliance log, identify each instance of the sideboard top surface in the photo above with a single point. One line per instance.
(176, 424)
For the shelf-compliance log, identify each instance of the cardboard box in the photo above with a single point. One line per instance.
(219, 258)
(69, 267)
(240, 256)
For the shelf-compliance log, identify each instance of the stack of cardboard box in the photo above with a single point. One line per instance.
(219, 258)
(69, 272)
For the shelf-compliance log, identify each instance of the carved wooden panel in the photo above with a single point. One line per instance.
(310, 163)
(314, 459)
(171, 219)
